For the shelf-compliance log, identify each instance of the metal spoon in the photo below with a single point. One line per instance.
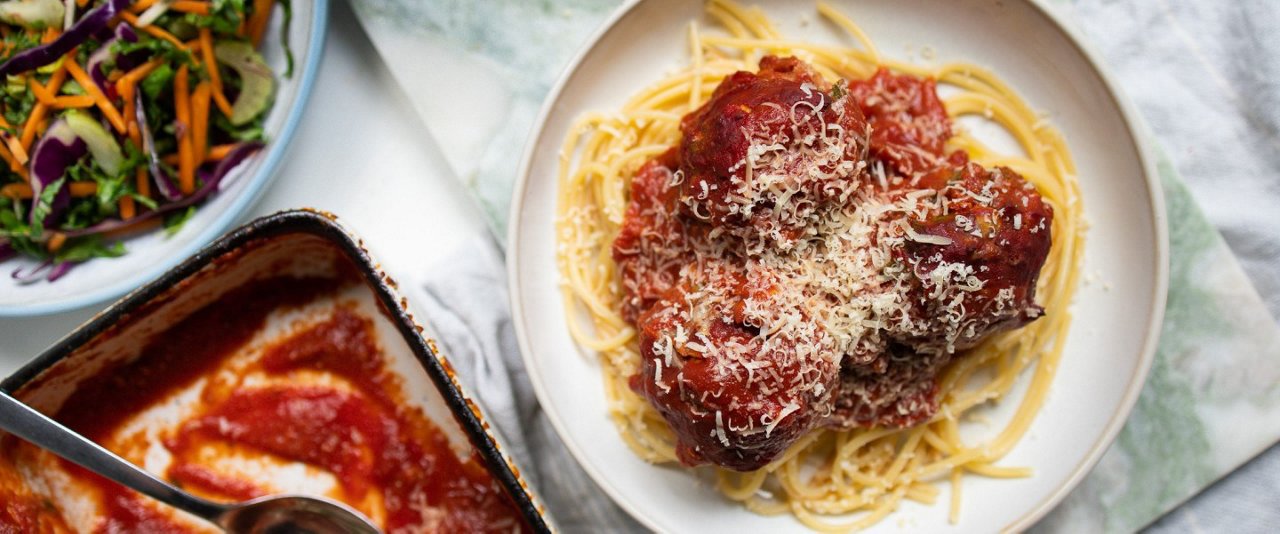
(277, 513)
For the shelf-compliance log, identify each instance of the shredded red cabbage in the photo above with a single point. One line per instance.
(82, 30)
(104, 53)
(47, 270)
(60, 269)
(31, 275)
(58, 150)
(212, 179)
(164, 183)
(50, 271)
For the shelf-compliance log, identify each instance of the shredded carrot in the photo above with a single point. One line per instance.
(56, 241)
(42, 94)
(19, 191)
(200, 121)
(127, 208)
(221, 102)
(15, 147)
(81, 3)
(211, 66)
(70, 102)
(130, 112)
(38, 120)
(219, 152)
(126, 90)
(59, 75)
(136, 75)
(47, 95)
(153, 30)
(50, 34)
(142, 182)
(83, 189)
(24, 191)
(215, 153)
(8, 156)
(190, 6)
(258, 22)
(108, 109)
(182, 110)
(33, 121)
(135, 135)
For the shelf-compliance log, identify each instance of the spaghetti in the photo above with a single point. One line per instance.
(830, 479)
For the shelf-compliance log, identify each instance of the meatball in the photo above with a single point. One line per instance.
(909, 125)
(719, 363)
(770, 149)
(652, 245)
(972, 268)
(900, 392)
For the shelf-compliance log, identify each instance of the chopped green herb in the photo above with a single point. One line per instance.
(112, 160)
(287, 6)
(174, 222)
(43, 205)
(81, 249)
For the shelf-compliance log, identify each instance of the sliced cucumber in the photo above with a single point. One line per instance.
(34, 14)
(102, 145)
(257, 86)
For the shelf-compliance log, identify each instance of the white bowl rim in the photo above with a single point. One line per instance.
(254, 189)
(1137, 133)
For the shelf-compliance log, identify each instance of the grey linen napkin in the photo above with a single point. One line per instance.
(466, 307)
(1206, 76)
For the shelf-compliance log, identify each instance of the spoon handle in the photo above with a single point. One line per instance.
(25, 422)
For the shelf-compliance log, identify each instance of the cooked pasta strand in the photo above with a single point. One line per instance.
(866, 472)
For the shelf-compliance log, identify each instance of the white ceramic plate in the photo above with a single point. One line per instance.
(153, 253)
(1117, 314)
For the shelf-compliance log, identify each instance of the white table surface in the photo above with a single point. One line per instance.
(361, 153)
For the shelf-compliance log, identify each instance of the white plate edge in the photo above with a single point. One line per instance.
(254, 190)
(1157, 305)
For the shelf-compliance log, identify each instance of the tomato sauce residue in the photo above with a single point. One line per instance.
(388, 458)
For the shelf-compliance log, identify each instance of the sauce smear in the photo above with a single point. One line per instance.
(320, 396)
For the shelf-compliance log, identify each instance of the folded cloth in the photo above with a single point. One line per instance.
(466, 304)
(1206, 76)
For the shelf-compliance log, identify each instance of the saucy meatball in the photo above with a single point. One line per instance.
(899, 393)
(652, 245)
(909, 125)
(975, 274)
(769, 149)
(734, 396)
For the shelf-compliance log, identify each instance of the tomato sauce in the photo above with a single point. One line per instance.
(775, 265)
(388, 459)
